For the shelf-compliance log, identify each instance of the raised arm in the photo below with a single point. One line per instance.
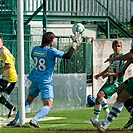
(124, 57)
(122, 72)
(76, 39)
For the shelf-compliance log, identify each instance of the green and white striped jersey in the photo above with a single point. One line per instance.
(115, 66)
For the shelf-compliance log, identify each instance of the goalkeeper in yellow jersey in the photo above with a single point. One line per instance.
(9, 76)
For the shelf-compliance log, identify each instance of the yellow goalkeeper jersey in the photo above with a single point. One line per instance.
(6, 57)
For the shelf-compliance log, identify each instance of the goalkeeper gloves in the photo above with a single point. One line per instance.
(76, 38)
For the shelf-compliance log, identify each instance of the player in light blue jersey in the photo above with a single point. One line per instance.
(44, 57)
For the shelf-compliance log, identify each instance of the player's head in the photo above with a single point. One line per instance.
(131, 25)
(117, 46)
(48, 39)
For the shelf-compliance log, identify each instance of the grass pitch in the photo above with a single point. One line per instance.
(68, 121)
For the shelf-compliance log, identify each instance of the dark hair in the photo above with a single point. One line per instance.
(1, 37)
(131, 20)
(115, 42)
(47, 38)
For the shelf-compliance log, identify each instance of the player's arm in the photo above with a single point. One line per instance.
(124, 57)
(101, 74)
(122, 72)
(7, 66)
(127, 64)
(69, 54)
(109, 74)
(76, 38)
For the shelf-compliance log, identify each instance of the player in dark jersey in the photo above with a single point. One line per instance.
(44, 57)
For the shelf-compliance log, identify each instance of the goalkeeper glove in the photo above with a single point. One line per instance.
(76, 38)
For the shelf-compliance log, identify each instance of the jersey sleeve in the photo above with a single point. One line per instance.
(56, 53)
(7, 58)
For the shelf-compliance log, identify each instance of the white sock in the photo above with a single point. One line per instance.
(41, 113)
(104, 105)
(97, 110)
(114, 112)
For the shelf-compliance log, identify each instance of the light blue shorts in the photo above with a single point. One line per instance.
(46, 90)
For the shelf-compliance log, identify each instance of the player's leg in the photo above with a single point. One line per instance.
(47, 99)
(28, 102)
(100, 102)
(117, 107)
(114, 112)
(106, 92)
(8, 90)
(6, 103)
(131, 112)
(16, 118)
(97, 109)
(4, 87)
(104, 103)
(129, 106)
(120, 88)
(33, 93)
(42, 112)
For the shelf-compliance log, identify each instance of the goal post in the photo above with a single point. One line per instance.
(20, 40)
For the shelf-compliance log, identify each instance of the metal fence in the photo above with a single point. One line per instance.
(80, 62)
(122, 9)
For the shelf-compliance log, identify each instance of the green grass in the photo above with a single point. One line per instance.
(74, 120)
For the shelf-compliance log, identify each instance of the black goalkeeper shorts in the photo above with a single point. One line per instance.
(6, 86)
